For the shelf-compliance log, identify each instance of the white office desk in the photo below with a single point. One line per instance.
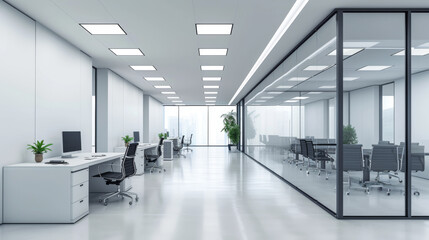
(46, 193)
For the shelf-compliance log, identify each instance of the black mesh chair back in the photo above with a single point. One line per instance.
(384, 158)
(159, 147)
(303, 147)
(417, 158)
(190, 140)
(128, 163)
(183, 140)
(310, 149)
(353, 157)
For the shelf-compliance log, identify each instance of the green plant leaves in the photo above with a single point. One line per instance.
(127, 139)
(39, 147)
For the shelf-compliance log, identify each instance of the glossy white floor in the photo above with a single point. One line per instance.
(213, 194)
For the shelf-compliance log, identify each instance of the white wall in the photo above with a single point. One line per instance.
(418, 92)
(153, 119)
(364, 115)
(317, 119)
(119, 110)
(45, 88)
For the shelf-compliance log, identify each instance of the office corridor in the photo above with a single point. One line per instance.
(214, 194)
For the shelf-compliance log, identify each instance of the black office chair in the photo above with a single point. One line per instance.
(128, 169)
(303, 153)
(352, 161)
(154, 158)
(417, 161)
(384, 159)
(188, 143)
(178, 148)
(319, 156)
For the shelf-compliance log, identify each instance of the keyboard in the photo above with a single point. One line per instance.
(99, 155)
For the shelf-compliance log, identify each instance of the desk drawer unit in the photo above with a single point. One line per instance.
(80, 176)
(80, 209)
(80, 191)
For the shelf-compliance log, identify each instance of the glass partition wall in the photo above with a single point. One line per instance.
(348, 128)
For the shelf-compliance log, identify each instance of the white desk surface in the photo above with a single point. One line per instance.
(76, 163)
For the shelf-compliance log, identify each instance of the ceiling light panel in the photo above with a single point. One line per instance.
(414, 52)
(177, 101)
(373, 68)
(260, 101)
(349, 79)
(347, 51)
(127, 51)
(300, 98)
(298, 79)
(210, 86)
(168, 93)
(327, 87)
(162, 86)
(212, 79)
(103, 28)
(316, 68)
(292, 101)
(154, 79)
(314, 92)
(267, 97)
(213, 29)
(213, 52)
(208, 93)
(173, 97)
(212, 68)
(143, 68)
(210, 97)
(210, 101)
(285, 87)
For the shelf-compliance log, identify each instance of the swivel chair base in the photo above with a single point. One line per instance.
(119, 193)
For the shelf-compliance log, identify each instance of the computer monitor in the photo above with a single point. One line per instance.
(136, 136)
(71, 143)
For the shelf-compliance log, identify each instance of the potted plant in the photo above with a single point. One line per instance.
(349, 135)
(161, 135)
(39, 148)
(127, 139)
(231, 128)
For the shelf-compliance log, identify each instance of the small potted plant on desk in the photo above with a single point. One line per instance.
(39, 148)
(127, 139)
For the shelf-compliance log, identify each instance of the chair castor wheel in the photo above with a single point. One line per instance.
(416, 193)
(131, 203)
(347, 193)
(137, 199)
(105, 202)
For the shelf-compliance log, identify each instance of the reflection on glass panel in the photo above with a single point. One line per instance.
(373, 176)
(216, 136)
(287, 120)
(388, 114)
(171, 120)
(419, 114)
(193, 120)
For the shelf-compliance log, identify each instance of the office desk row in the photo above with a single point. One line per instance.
(46, 193)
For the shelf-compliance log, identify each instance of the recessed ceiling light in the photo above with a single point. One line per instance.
(300, 98)
(177, 101)
(210, 92)
(143, 68)
(210, 86)
(210, 101)
(209, 104)
(314, 92)
(373, 68)
(292, 101)
(103, 28)
(414, 52)
(290, 17)
(212, 78)
(154, 79)
(298, 79)
(162, 86)
(348, 79)
(316, 68)
(274, 92)
(213, 29)
(284, 86)
(346, 51)
(326, 87)
(359, 44)
(127, 51)
(173, 97)
(267, 97)
(213, 51)
(168, 93)
(210, 97)
(212, 68)
(260, 100)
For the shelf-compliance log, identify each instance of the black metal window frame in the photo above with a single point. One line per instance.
(339, 14)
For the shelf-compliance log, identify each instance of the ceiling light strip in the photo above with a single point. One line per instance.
(284, 26)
